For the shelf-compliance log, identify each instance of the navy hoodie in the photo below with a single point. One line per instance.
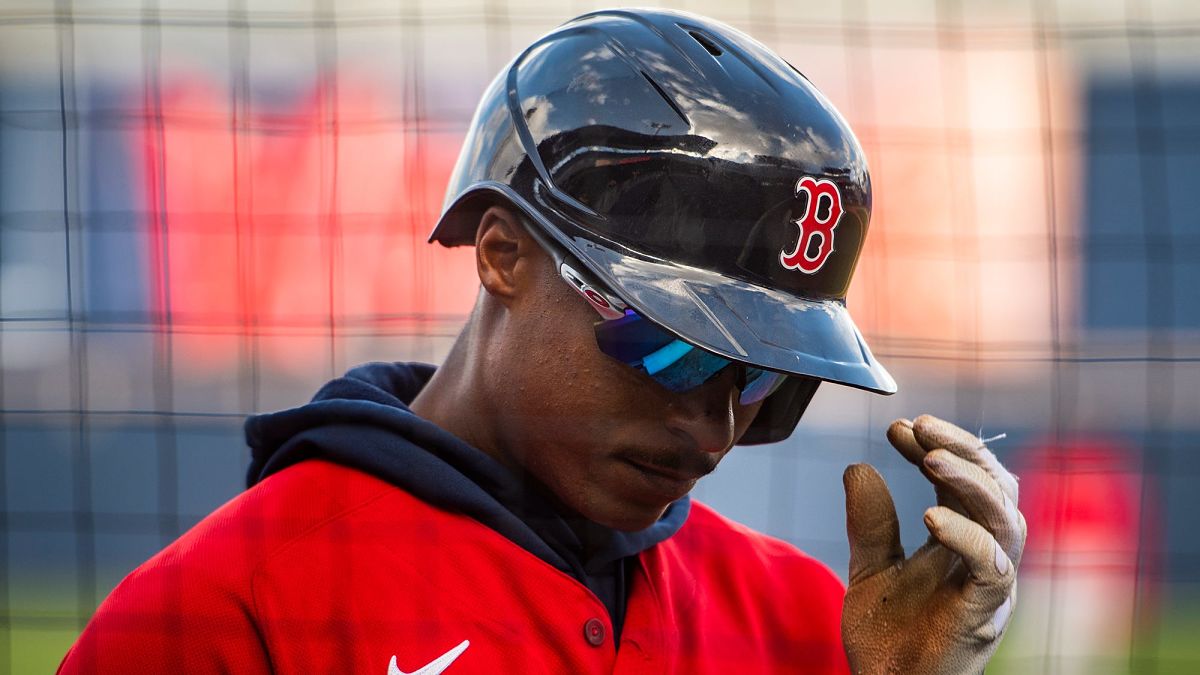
(362, 420)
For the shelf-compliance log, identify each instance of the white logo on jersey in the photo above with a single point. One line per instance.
(435, 666)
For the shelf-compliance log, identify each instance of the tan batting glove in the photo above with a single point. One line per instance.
(942, 610)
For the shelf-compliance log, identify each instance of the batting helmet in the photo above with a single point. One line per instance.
(699, 176)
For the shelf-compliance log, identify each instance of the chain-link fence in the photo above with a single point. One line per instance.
(208, 210)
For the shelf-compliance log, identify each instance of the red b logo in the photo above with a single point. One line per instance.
(812, 226)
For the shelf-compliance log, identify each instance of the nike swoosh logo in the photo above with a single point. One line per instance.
(435, 666)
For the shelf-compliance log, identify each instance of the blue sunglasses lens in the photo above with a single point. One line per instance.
(673, 363)
(760, 384)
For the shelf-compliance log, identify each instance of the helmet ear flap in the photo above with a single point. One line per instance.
(781, 412)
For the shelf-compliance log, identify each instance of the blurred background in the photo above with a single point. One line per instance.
(208, 209)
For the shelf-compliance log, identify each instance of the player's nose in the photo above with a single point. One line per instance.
(706, 415)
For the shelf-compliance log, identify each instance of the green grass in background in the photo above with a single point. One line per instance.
(35, 641)
(1171, 647)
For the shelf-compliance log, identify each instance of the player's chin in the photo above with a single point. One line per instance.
(634, 497)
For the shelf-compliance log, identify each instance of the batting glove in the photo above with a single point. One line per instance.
(942, 610)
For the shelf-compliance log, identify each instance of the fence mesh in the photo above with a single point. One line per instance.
(207, 212)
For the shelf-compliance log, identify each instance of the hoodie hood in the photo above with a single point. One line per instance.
(362, 420)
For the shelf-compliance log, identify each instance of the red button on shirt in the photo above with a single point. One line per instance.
(593, 630)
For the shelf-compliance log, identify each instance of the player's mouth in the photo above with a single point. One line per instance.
(663, 481)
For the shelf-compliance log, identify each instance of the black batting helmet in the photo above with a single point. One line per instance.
(697, 174)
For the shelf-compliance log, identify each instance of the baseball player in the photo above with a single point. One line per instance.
(666, 216)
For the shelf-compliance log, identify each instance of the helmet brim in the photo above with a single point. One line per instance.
(740, 320)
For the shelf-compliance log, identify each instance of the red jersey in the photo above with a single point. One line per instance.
(322, 568)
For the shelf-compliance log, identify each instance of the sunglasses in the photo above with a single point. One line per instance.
(630, 338)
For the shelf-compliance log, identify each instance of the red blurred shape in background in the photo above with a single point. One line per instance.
(297, 222)
(1090, 568)
(1083, 500)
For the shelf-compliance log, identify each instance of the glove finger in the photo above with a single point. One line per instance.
(871, 523)
(985, 502)
(1003, 615)
(933, 433)
(900, 435)
(991, 572)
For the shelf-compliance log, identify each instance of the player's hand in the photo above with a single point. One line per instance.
(942, 610)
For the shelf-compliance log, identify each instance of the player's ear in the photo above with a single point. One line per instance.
(503, 251)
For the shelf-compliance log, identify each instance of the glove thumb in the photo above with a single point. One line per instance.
(871, 523)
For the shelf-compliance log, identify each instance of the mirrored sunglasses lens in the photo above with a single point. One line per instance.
(675, 364)
(760, 384)
(631, 338)
(689, 367)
